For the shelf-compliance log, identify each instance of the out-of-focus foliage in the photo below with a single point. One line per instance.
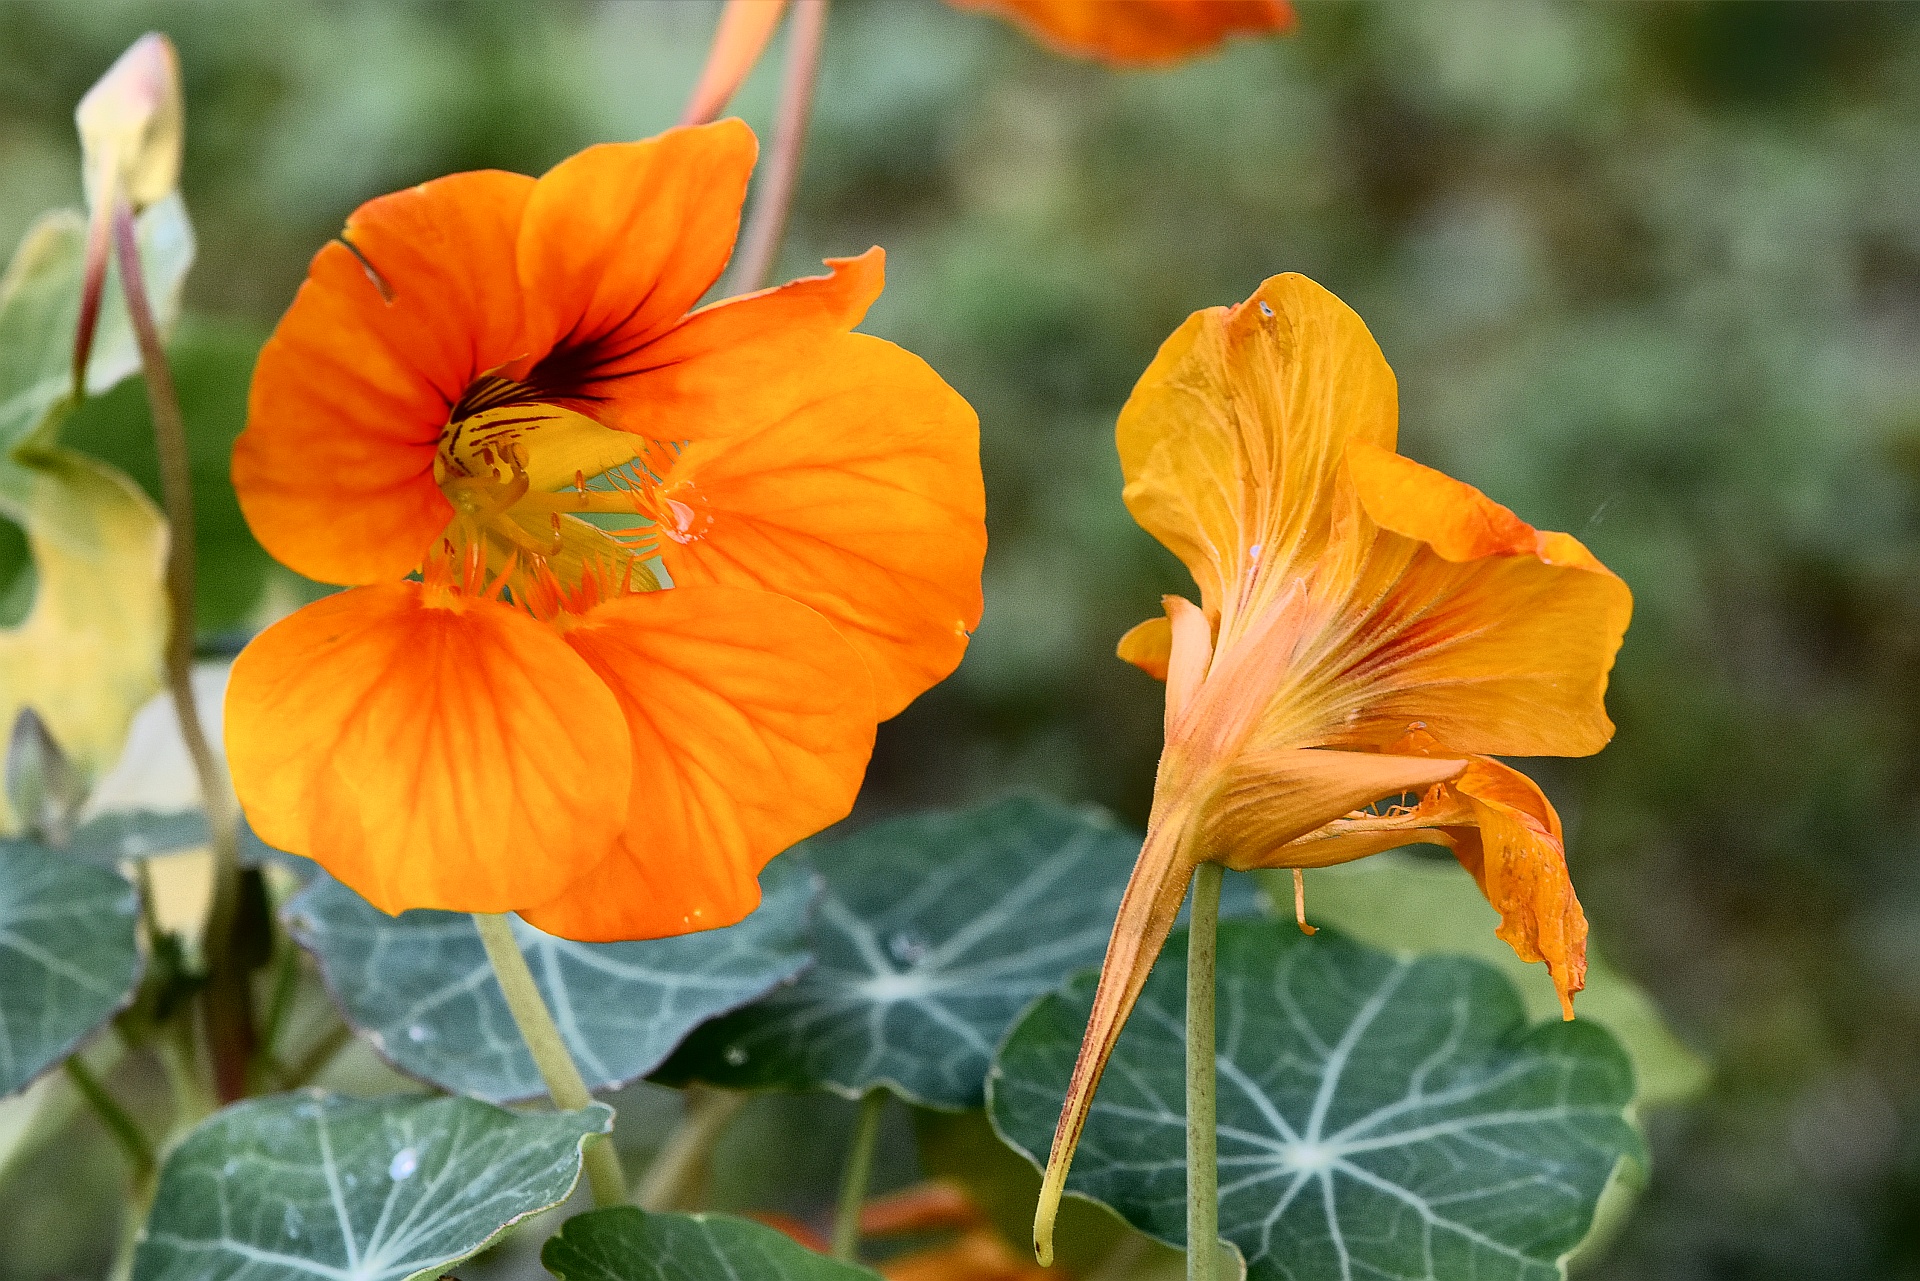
(1648, 273)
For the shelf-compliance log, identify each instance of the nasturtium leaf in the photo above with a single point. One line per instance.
(932, 934)
(69, 956)
(316, 1185)
(1404, 903)
(116, 837)
(88, 651)
(1378, 1115)
(40, 312)
(419, 985)
(628, 1244)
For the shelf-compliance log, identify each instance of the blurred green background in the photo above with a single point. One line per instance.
(1647, 273)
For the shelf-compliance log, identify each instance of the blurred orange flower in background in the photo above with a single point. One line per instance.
(1367, 628)
(631, 582)
(1140, 32)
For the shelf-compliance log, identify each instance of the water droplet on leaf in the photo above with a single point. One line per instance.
(404, 1163)
(735, 1056)
(906, 949)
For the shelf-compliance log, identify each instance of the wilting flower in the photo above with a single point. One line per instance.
(1140, 32)
(631, 582)
(1367, 629)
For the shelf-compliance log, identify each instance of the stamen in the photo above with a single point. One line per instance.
(1300, 903)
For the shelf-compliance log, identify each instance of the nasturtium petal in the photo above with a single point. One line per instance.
(69, 955)
(457, 757)
(1378, 1115)
(1139, 32)
(391, 1189)
(1494, 636)
(625, 1243)
(351, 392)
(420, 988)
(621, 240)
(864, 502)
(1233, 436)
(932, 932)
(750, 722)
(744, 362)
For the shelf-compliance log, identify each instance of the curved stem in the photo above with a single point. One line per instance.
(674, 1179)
(550, 1054)
(126, 1131)
(853, 1184)
(768, 222)
(229, 1001)
(1203, 1174)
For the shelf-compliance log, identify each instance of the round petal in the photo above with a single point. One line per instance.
(1496, 637)
(457, 757)
(335, 468)
(862, 500)
(751, 723)
(1232, 439)
(1140, 32)
(619, 243)
(742, 363)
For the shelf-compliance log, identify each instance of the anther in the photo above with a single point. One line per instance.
(1300, 902)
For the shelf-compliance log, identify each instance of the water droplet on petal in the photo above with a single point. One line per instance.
(404, 1163)
(735, 1056)
(1266, 310)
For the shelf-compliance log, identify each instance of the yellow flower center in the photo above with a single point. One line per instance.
(524, 478)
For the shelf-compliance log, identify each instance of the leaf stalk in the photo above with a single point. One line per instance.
(853, 1184)
(565, 1086)
(1203, 1173)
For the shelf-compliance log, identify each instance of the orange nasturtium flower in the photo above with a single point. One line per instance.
(1139, 32)
(1368, 628)
(631, 583)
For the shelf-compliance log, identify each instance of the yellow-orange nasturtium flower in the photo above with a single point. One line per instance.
(1367, 628)
(608, 728)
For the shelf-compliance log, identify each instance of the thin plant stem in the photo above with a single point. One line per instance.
(315, 1060)
(1203, 1174)
(853, 1183)
(550, 1054)
(227, 995)
(806, 34)
(125, 1130)
(674, 1179)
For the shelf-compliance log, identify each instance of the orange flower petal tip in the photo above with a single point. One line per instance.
(1140, 32)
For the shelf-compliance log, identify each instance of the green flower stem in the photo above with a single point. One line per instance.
(125, 1130)
(228, 994)
(1203, 1174)
(760, 244)
(564, 1084)
(675, 1179)
(853, 1184)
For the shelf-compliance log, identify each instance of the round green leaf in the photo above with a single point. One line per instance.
(627, 1244)
(1378, 1116)
(420, 988)
(1397, 901)
(314, 1185)
(69, 956)
(933, 933)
